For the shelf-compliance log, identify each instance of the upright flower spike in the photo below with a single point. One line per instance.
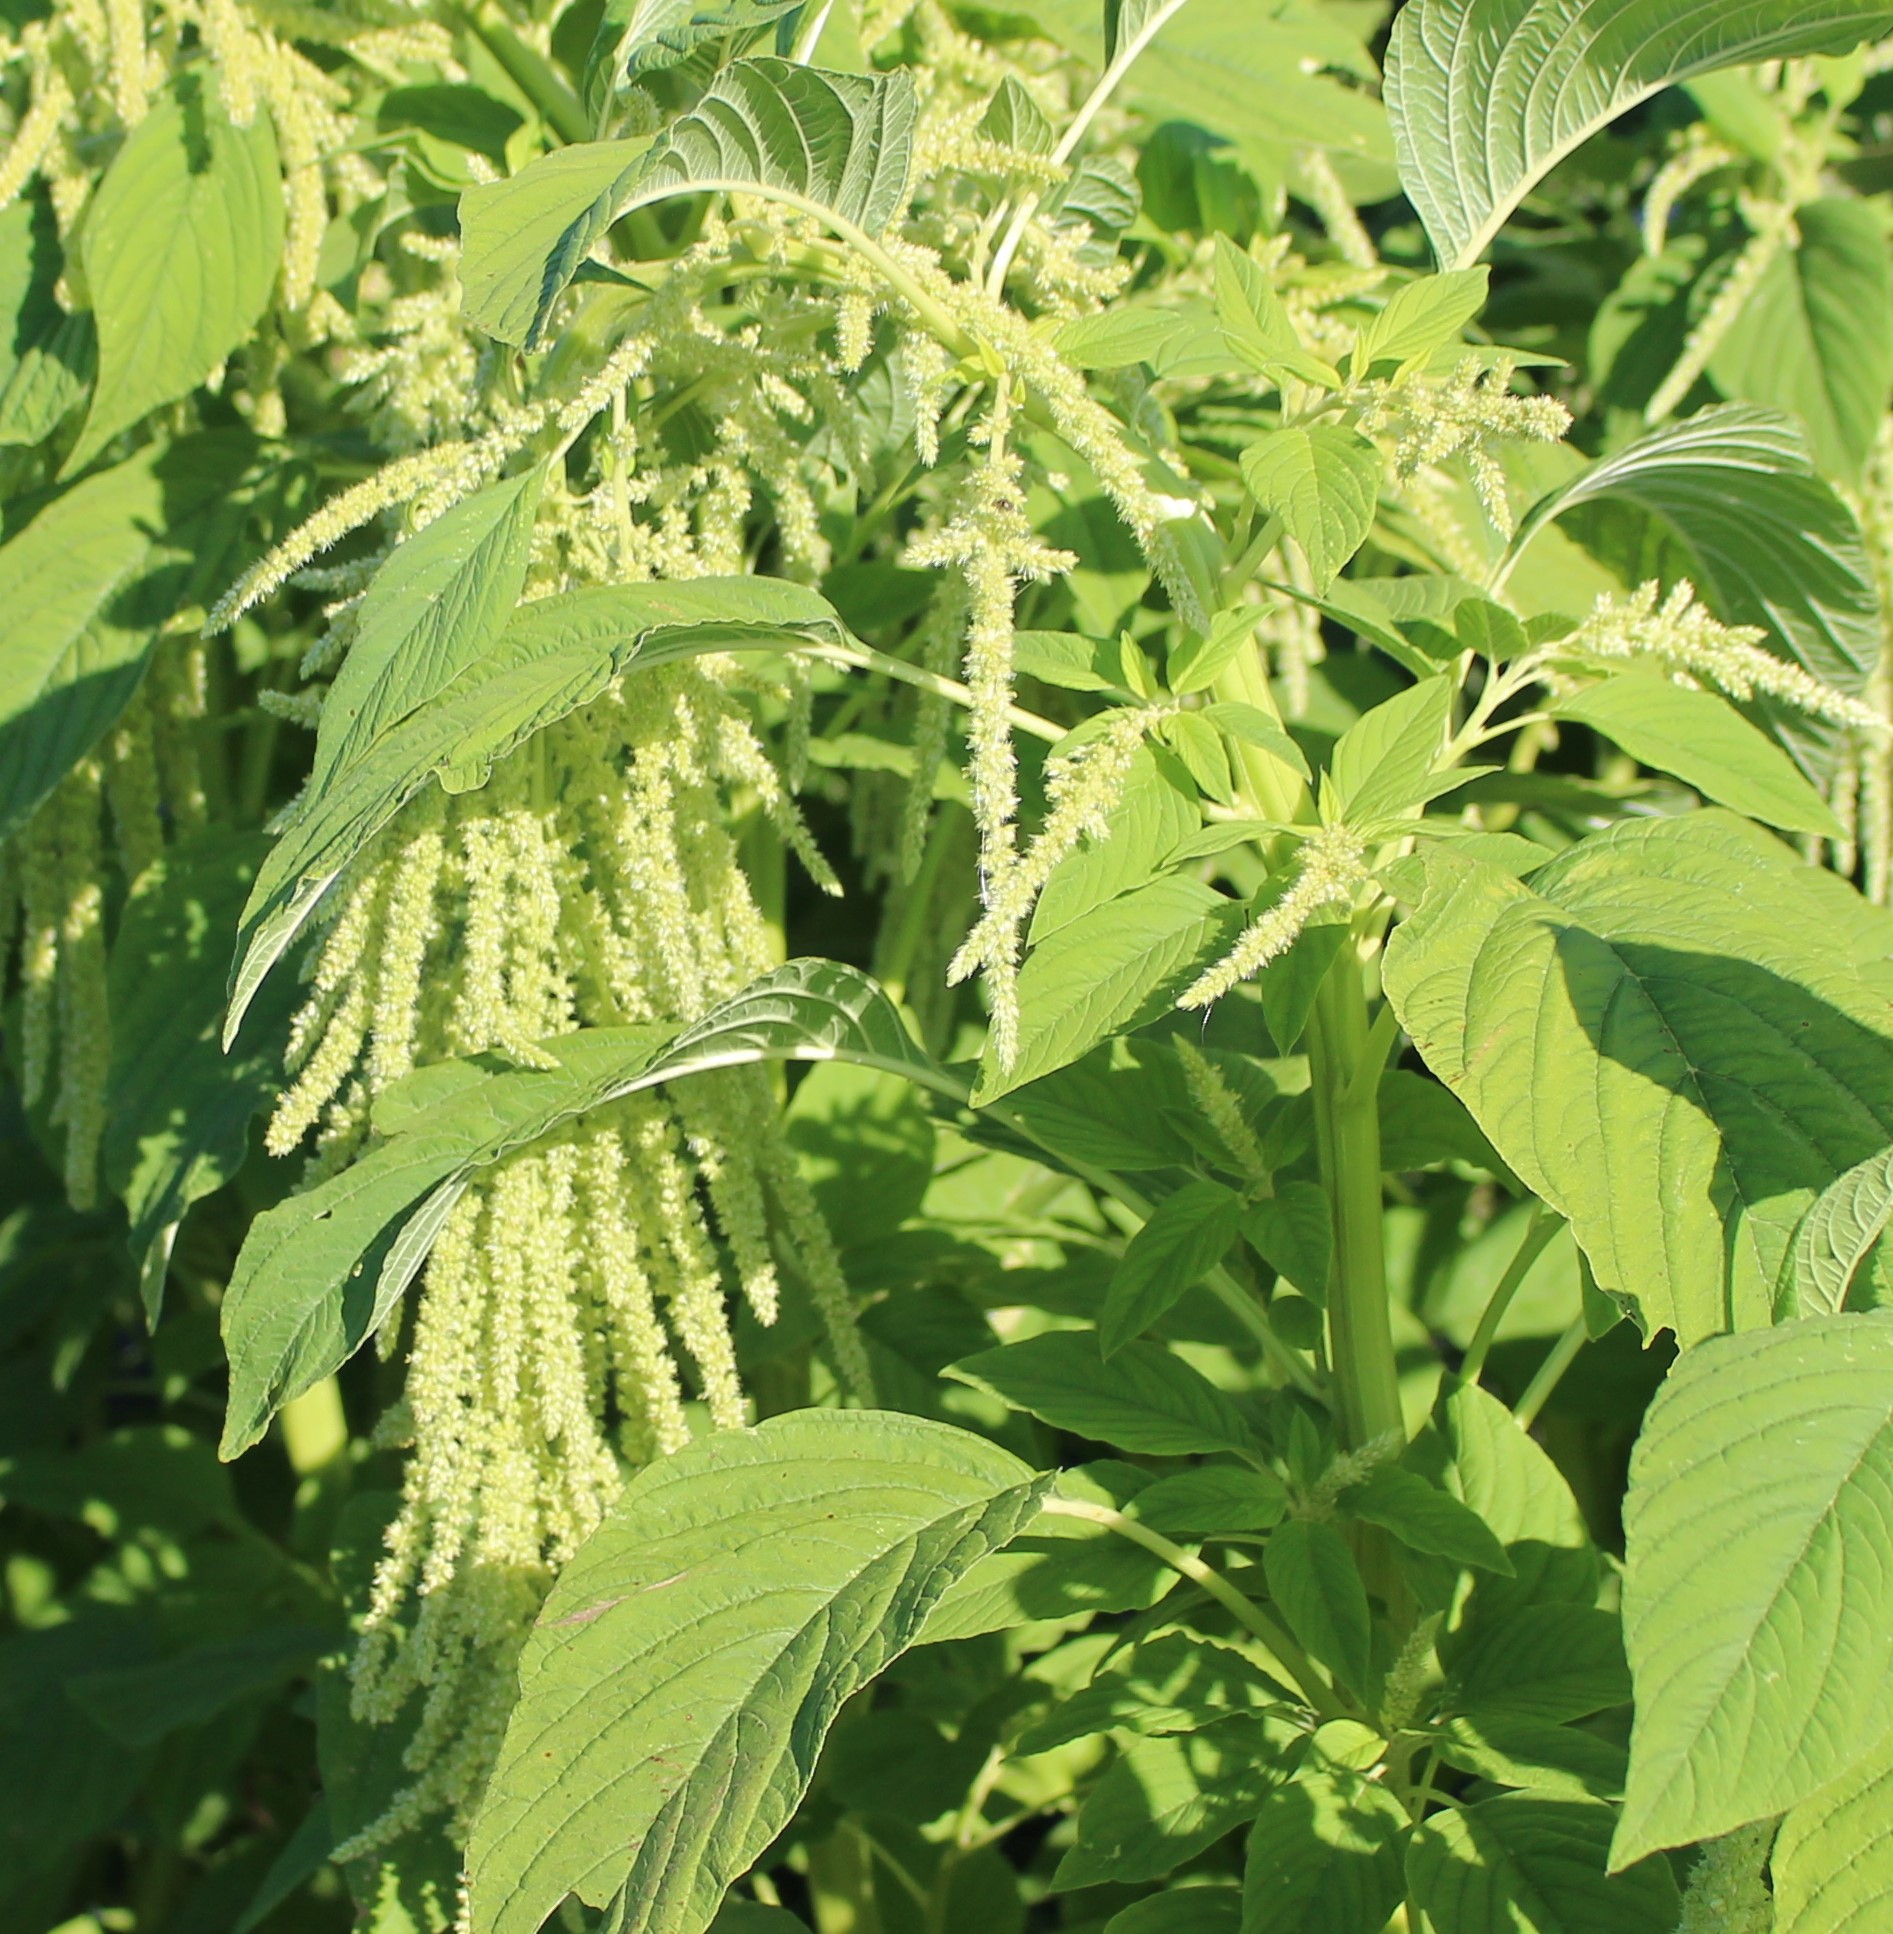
(1330, 870)
(1688, 638)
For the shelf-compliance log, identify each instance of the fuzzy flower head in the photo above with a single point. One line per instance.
(1427, 423)
(1689, 640)
(1331, 869)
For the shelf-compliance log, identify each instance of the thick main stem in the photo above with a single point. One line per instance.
(1347, 1134)
(1343, 1064)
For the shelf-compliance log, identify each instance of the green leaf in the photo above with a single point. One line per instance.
(1816, 337)
(1420, 318)
(1529, 1864)
(640, 37)
(1152, 815)
(178, 1108)
(1059, 1567)
(1758, 1515)
(1116, 968)
(1425, 1518)
(139, 1704)
(1384, 762)
(1193, 1906)
(1531, 1753)
(1544, 1663)
(319, 1272)
(1317, 1588)
(1768, 543)
(1141, 1398)
(1586, 1021)
(1185, 1238)
(1293, 1232)
(1832, 1863)
(1256, 324)
(181, 247)
(434, 609)
(1836, 1236)
(1487, 96)
(87, 586)
(834, 145)
(46, 355)
(1324, 1854)
(553, 656)
(1211, 1501)
(1169, 1796)
(1260, 73)
(1323, 483)
(1173, 1684)
(678, 1684)
(1705, 742)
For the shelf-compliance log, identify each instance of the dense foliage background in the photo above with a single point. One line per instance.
(1146, 743)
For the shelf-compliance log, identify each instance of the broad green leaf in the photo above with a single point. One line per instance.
(1169, 1796)
(1384, 762)
(1768, 543)
(1324, 1854)
(1525, 1863)
(434, 609)
(1586, 1021)
(1758, 1589)
(88, 585)
(1183, 340)
(1816, 337)
(1118, 967)
(1419, 318)
(1293, 1229)
(178, 1108)
(411, 1885)
(1177, 1683)
(452, 111)
(1832, 1863)
(319, 1272)
(1256, 323)
(1059, 1567)
(1835, 1237)
(181, 247)
(46, 355)
(1212, 1500)
(1487, 96)
(1260, 73)
(1141, 1398)
(139, 1704)
(1534, 1754)
(834, 145)
(1323, 483)
(1543, 1664)
(678, 1684)
(523, 239)
(552, 657)
(639, 37)
(1705, 742)
(1425, 1518)
(1192, 1907)
(1186, 1236)
(1316, 1586)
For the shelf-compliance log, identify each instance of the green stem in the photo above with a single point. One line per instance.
(1347, 1133)
(1550, 1374)
(1538, 1233)
(1288, 1658)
